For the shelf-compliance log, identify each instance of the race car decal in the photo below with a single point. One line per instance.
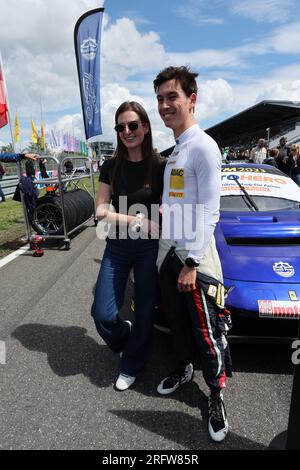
(278, 309)
(234, 169)
(293, 295)
(174, 194)
(283, 269)
(212, 291)
(263, 184)
(177, 178)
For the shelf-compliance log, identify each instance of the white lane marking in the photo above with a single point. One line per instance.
(13, 255)
(2, 353)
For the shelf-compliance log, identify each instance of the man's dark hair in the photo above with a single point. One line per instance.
(183, 75)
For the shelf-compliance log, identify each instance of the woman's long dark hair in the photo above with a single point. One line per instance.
(121, 153)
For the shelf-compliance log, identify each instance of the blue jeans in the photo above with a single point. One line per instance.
(296, 178)
(118, 259)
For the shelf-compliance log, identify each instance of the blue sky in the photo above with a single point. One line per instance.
(244, 52)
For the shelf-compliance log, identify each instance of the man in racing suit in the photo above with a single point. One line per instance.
(188, 262)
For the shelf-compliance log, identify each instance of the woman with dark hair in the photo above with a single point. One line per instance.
(132, 182)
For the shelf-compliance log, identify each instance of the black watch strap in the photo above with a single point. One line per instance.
(191, 263)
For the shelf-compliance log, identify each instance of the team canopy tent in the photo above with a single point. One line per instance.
(254, 122)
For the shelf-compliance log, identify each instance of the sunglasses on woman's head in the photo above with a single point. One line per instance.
(132, 126)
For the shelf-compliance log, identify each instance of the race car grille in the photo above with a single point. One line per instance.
(245, 241)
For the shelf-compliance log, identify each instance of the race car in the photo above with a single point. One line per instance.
(258, 240)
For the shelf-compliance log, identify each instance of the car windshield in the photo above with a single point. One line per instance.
(264, 203)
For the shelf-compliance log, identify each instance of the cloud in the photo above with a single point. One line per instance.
(214, 97)
(39, 60)
(38, 52)
(201, 12)
(42, 63)
(135, 16)
(71, 123)
(31, 78)
(197, 12)
(284, 40)
(41, 26)
(208, 58)
(281, 91)
(266, 11)
(283, 84)
(125, 47)
(115, 94)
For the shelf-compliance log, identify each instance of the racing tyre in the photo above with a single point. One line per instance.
(46, 219)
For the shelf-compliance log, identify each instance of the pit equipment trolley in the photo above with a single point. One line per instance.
(65, 208)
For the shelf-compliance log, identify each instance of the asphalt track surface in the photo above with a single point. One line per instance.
(57, 384)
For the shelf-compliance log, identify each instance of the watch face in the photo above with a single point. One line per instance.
(191, 263)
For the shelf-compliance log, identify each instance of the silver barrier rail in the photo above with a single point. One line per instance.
(9, 184)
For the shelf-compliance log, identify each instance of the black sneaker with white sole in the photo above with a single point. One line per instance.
(217, 422)
(176, 379)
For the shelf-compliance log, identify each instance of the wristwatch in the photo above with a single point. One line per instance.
(136, 227)
(191, 263)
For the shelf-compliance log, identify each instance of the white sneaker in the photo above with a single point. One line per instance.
(124, 381)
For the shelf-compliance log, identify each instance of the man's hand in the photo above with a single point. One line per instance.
(187, 279)
(31, 156)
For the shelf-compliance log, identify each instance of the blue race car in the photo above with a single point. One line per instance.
(258, 240)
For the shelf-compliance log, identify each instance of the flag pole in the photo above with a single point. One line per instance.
(41, 122)
(41, 108)
(20, 146)
(42, 128)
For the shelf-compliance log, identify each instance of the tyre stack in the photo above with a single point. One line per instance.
(47, 217)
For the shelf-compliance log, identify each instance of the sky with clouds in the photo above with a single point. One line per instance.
(244, 51)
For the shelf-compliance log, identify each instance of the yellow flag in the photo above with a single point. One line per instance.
(33, 133)
(42, 136)
(16, 130)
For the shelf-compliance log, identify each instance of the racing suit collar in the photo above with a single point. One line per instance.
(186, 135)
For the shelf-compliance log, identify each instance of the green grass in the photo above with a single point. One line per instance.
(12, 227)
(11, 213)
